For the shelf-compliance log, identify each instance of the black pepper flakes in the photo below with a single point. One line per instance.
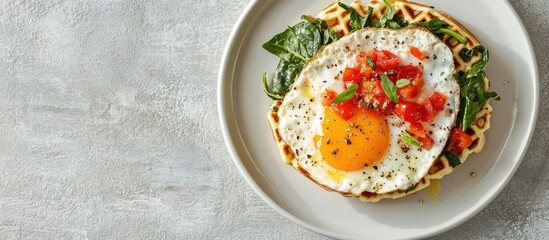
(348, 141)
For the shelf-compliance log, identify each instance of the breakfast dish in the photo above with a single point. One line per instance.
(243, 107)
(378, 101)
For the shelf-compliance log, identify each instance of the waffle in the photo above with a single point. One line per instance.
(338, 19)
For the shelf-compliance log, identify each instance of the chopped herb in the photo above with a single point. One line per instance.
(402, 82)
(389, 88)
(346, 95)
(371, 63)
(409, 139)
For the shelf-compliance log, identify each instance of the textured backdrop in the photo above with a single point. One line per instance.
(109, 128)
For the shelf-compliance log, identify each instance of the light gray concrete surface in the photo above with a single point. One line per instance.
(109, 128)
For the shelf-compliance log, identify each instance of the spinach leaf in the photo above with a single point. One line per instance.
(389, 19)
(375, 24)
(433, 25)
(357, 21)
(455, 35)
(295, 46)
(266, 89)
(301, 41)
(389, 13)
(284, 76)
(437, 26)
(452, 159)
(468, 111)
(479, 65)
(492, 95)
(286, 46)
(329, 36)
(392, 25)
(467, 54)
(346, 95)
(473, 97)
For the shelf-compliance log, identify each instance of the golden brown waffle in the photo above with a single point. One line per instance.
(338, 19)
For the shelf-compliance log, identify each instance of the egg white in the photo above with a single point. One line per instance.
(301, 111)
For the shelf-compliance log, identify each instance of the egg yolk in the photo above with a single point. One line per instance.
(351, 145)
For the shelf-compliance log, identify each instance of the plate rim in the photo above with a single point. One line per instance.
(223, 106)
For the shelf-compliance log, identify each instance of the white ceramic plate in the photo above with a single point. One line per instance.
(243, 109)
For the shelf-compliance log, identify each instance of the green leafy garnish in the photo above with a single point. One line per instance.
(438, 27)
(295, 46)
(371, 62)
(402, 82)
(357, 21)
(472, 93)
(389, 19)
(452, 159)
(409, 139)
(455, 35)
(375, 24)
(274, 109)
(389, 88)
(346, 95)
(467, 54)
(266, 89)
(479, 65)
(389, 13)
(433, 25)
(473, 97)
(284, 76)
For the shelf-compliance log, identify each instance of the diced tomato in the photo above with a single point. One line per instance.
(426, 142)
(345, 109)
(415, 75)
(367, 71)
(373, 97)
(384, 60)
(408, 91)
(416, 129)
(417, 53)
(352, 75)
(429, 112)
(365, 68)
(438, 100)
(459, 140)
(327, 97)
(409, 111)
(385, 105)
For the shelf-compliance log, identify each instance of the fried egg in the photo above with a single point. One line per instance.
(366, 153)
